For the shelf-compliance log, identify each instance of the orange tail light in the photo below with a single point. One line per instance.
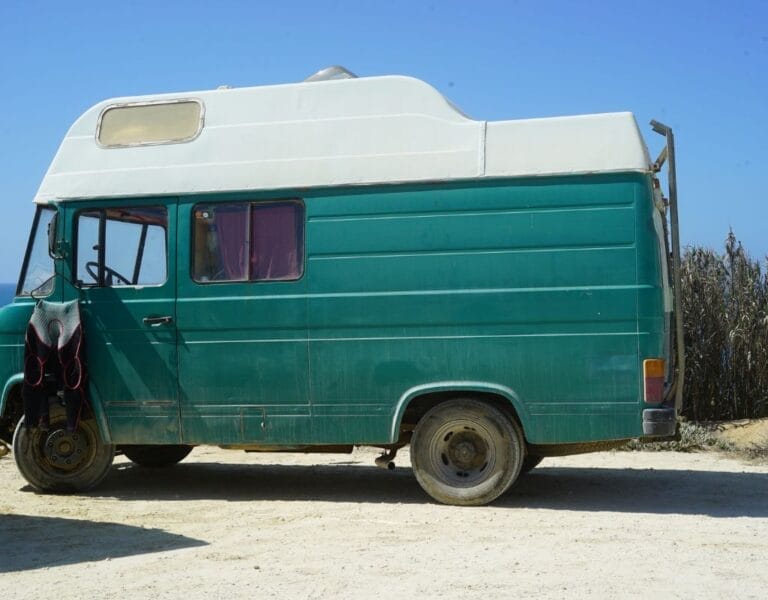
(653, 379)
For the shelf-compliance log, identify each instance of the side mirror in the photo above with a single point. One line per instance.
(52, 226)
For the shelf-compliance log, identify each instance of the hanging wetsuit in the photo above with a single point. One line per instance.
(53, 345)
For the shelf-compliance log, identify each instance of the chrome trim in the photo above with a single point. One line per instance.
(200, 125)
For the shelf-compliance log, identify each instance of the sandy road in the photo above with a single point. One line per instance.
(226, 524)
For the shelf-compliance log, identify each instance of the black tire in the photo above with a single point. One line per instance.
(530, 462)
(466, 453)
(61, 462)
(156, 456)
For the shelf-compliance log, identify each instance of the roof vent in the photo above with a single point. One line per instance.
(330, 73)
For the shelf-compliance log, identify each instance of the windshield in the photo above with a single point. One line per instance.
(37, 272)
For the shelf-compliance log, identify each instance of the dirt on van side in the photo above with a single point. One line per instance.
(226, 524)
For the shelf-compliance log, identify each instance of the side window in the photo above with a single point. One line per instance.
(248, 241)
(138, 124)
(122, 246)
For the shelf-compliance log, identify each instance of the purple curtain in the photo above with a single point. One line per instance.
(276, 241)
(231, 222)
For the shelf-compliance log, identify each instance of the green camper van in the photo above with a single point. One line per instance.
(350, 261)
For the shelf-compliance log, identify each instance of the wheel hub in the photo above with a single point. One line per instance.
(65, 450)
(464, 453)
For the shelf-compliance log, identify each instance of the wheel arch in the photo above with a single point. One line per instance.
(434, 393)
(11, 408)
(13, 386)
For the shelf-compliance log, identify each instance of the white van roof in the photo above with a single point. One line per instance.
(340, 132)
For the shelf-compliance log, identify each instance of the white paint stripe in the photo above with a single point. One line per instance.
(532, 290)
(427, 337)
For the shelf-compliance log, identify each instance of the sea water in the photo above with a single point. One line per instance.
(7, 291)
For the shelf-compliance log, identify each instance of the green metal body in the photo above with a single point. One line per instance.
(544, 291)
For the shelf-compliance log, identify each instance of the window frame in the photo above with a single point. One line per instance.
(102, 251)
(192, 239)
(106, 109)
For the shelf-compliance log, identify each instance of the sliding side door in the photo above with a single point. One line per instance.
(242, 322)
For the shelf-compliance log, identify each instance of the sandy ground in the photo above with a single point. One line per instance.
(746, 434)
(226, 524)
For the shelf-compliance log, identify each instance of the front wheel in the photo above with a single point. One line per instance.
(156, 456)
(466, 452)
(530, 462)
(60, 461)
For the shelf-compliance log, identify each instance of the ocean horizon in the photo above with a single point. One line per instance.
(7, 291)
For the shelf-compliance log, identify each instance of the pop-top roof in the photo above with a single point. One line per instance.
(337, 132)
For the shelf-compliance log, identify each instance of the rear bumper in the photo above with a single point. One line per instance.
(659, 422)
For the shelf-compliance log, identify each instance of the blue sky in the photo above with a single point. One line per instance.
(701, 67)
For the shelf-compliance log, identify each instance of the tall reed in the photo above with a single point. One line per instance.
(725, 316)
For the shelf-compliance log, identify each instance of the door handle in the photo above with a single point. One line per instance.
(157, 321)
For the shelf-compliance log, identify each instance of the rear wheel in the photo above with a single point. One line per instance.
(156, 456)
(466, 452)
(60, 461)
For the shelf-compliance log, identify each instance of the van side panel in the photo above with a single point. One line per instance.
(548, 288)
(535, 285)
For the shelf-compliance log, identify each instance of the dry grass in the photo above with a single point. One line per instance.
(693, 437)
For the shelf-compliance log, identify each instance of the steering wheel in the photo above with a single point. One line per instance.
(93, 270)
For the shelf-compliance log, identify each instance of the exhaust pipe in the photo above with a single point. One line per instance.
(386, 460)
